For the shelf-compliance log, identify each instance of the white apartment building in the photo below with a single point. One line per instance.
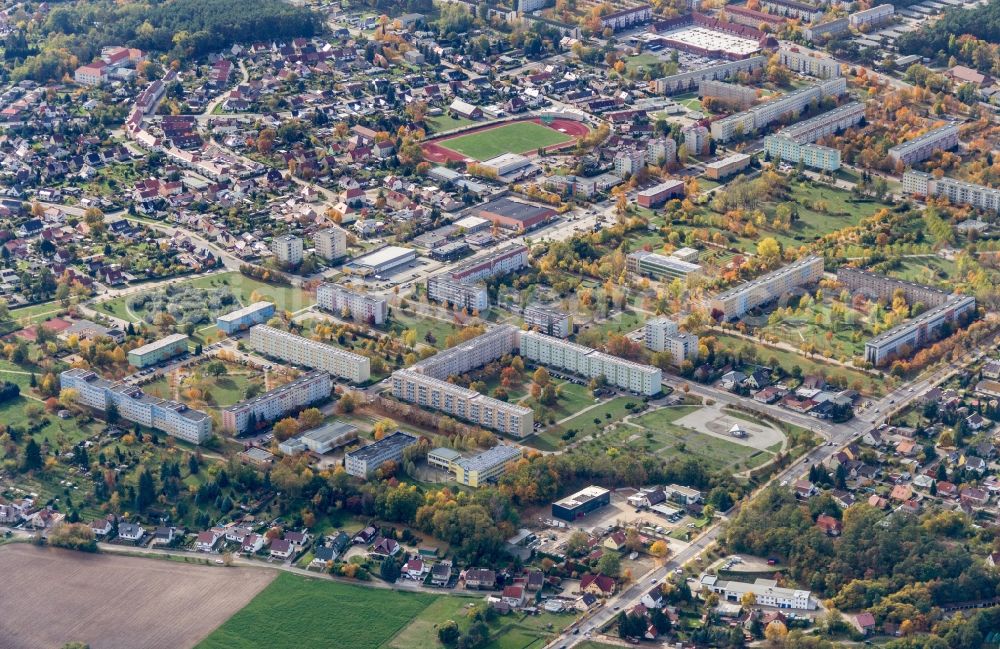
(688, 81)
(484, 468)
(661, 150)
(695, 138)
(731, 93)
(956, 191)
(548, 320)
(771, 111)
(735, 302)
(792, 8)
(629, 162)
(904, 339)
(476, 352)
(363, 307)
(814, 65)
(459, 286)
(444, 289)
(309, 353)
(287, 248)
(662, 335)
(570, 357)
(922, 147)
(469, 405)
(874, 16)
(331, 243)
(247, 316)
(308, 388)
(661, 267)
(172, 417)
(794, 143)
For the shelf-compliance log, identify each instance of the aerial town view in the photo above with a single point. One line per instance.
(499, 324)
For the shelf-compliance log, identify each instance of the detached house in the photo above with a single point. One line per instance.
(599, 585)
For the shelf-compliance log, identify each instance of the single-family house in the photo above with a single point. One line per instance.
(513, 596)
(207, 540)
(130, 532)
(480, 578)
(599, 585)
(281, 549)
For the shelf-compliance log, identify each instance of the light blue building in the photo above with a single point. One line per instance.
(248, 316)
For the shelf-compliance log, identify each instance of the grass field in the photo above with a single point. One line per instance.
(318, 614)
(519, 137)
(584, 423)
(868, 384)
(446, 123)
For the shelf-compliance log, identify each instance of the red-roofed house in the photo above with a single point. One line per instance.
(597, 585)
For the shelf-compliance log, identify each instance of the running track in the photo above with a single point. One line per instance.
(435, 151)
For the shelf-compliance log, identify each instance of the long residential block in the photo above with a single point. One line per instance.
(737, 301)
(463, 403)
(642, 262)
(821, 67)
(309, 388)
(158, 350)
(688, 81)
(956, 191)
(902, 340)
(884, 288)
(567, 356)
(769, 112)
(476, 352)
(362, 307)
(730, 93)
(461, 287)
(132, 404)
(248, 316)
(309, 353)
(922, 147)
(874, 16)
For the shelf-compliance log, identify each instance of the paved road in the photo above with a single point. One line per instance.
(837, 436)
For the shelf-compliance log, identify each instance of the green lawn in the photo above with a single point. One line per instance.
(36, 312)
(931, 270)
(399, 322)
(868, 384)
(318, 613)
(422, 631)
(606, 413)
(641, 61)
(446, 123)
(519, 137)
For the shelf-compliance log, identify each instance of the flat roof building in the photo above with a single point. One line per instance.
(287, 248)
(660, 194)
(369, 458)
(468, 405)
(320, 440)
(514, 215)
(309, 353)
(737, 301)
(583, 502)
(567, 356)
(331, 243)
(958, 192)
(662, 335)
(727, 166)
(244, 318)
(172, 417)
(485, 467)
(766, 591)
(495, 343)
(657, 266)
(548, 320)
(768, 112)
(342, 301)
(924, 146)
(688, 81)
(309, 388)
(384, 260)
(158, 350)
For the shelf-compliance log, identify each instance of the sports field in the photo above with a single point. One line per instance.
(519, 137)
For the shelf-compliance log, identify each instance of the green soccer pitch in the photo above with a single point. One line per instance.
(519, 137)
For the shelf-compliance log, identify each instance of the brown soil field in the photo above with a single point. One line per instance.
(50, 597)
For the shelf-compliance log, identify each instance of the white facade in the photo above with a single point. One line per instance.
(287, 248)
(924, 146)
(771, 111)
(767, 592)
(308, 388)
(309, 353)
(548, 320)
(874, 16)
(441, 288)
(476, 352)
(821, 67)
(570, 357)
(662, 335)
(248, 316)
(132, 404)
(469, 405)
(736, 301)
(362, 307)
(331, 243)
(956, 191)
(688, 81)
(917, 332)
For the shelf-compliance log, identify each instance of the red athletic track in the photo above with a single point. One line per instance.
(437, 152)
